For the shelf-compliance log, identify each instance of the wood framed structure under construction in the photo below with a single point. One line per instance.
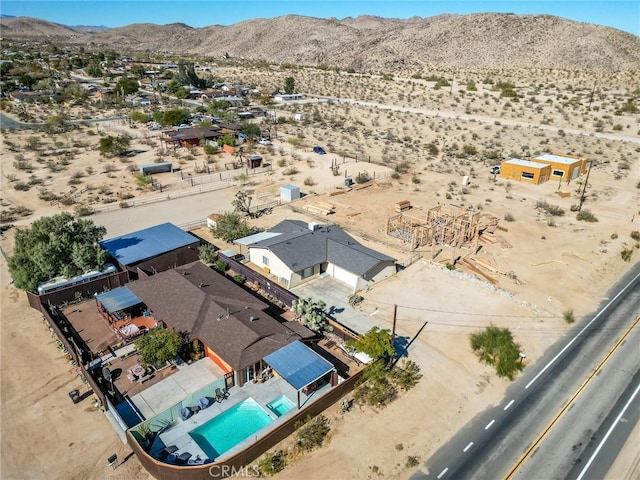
(447, 225)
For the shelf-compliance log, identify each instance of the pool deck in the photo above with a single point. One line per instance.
(262, 393)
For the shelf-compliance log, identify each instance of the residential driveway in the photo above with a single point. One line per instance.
(336, 294)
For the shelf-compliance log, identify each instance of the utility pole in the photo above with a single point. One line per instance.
(584, 187)
(393, 332)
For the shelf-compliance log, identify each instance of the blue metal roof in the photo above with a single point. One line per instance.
(298, 364)
(150, 242)
(118, 299)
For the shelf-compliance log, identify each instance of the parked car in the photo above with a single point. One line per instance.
(319, 150)
(264, 141)
(495, 170)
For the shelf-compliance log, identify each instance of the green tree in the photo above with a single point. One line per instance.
(289, 85)
(496, 346)
(227, 140)
(231, 226)
(56, 246)
(113, 146)
(376, 343)
(159, 346)
(139, 117)
(175, 117)
(127, 86)
(251, 130)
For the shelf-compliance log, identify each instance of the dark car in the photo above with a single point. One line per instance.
(319, 150)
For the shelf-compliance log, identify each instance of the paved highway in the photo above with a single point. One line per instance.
(493, 442)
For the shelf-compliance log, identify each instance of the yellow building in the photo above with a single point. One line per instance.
(525, 171)
(563, 167)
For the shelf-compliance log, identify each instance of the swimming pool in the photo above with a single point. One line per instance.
(228, 429)
(281, 405)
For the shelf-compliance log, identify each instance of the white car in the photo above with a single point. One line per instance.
(264, 141)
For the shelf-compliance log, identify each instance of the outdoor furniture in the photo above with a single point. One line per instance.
(203, 403)
(132, 377)
(183, 457)
(74, 395)
(220, 395)
(196, 461)
(185, 413)
(137, 370)
(167, 451)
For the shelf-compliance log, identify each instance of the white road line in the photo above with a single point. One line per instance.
(602, 310)
(489, 425)
(443, 472)
(468, 447)
(604, 439)
(508, 405)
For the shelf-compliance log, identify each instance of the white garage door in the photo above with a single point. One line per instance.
(344, 276)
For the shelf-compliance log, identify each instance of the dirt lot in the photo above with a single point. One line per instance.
(542, 265)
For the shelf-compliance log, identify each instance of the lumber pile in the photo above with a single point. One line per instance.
(319, 209)
(476, 270)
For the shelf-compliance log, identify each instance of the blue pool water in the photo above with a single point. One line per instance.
(230, 428)
(281, 405)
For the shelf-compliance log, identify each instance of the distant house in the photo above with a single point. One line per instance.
(294, 252)
(193, 136)
(234, 326)
(525, 171)
(152, 249)
(287, 97)
(563, 167)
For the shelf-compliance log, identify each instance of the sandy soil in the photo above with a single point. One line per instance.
(554, 263)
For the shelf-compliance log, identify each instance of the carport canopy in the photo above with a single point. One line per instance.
(118, 299)
(298, 364)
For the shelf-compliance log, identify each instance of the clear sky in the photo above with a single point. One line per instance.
(621, 14)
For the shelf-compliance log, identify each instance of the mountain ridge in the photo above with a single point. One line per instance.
(481, 40)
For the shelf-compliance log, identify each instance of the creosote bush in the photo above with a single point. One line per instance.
(586, 216)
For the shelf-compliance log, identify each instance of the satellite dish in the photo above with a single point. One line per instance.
(106, 373)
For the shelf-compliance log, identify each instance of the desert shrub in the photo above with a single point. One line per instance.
(355, 299)
(568, 316)
(22, 186)
(508, 217)
(496, 347)
(83, 211)
(614, 236)
(309, 182)
(292, 170)
(239, 278)
(635, 235)
(210, 149)
(402, 167)
(221, 265)
(411, 462)
(586, 216)
(272, 463)
(376, 392)
(312, 432)
(207, 253)
(626, 254)
(415, 180)
(362, 177)
(407, 375)
(551, 209)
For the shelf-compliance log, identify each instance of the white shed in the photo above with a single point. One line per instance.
(289, 192)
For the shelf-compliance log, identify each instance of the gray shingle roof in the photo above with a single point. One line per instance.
(299, 247)
(232, 322)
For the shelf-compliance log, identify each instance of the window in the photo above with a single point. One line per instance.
(557, 173)
(307, 272)
(528, 175)
(265, 261)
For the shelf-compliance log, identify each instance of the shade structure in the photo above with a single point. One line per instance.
(298, 364)
(118, 299)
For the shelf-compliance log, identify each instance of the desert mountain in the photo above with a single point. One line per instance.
(488, 40)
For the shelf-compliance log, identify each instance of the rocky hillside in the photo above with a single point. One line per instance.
(371, 43)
